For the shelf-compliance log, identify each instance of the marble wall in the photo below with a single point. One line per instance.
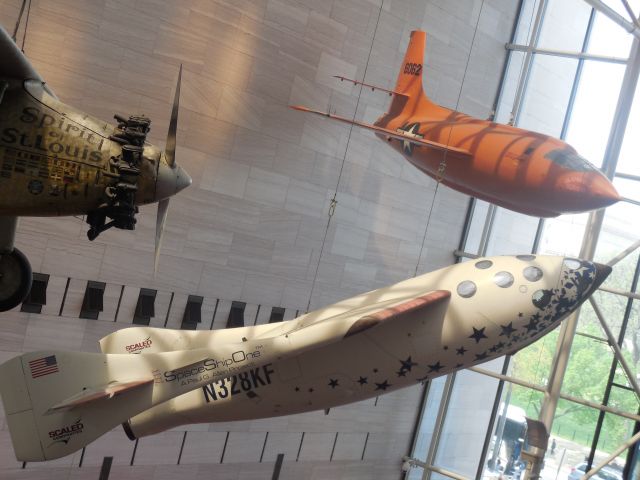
(254, 226)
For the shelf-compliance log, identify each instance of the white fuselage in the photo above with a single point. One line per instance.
(487, 308)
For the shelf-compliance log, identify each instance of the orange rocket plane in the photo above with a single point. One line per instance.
(523, 171)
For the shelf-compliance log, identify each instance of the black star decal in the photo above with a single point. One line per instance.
(333, 383)
(297, 389)
(382, 386)
(493, 349)
(478, 335)
(531, 325)
(375, 370)
(401, 373)
(499, 346)
(436, 367)
(535, 316)
(362, 380)
(407, 364)
(311, 390)
(481, 356)
(445, 347)
(507, 330)
(460, 351)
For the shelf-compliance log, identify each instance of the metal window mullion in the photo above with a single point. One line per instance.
(577, 76)
(584, 55)
(615, 17)
(528, 60)
(631, 13)
(492, 418)
(439, 423)
(564, 396)
(487, 229)
(420, 419)
(507, 63)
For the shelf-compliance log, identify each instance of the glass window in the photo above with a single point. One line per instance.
(503, 279)
(466, 289)
(533, 274)
(565, 25)
(593, 109)
(547, 94)
(512, 233)
(508, 433)
(426, 425)
(628, 161)
(608, 38)
(572, 434)
(467, 420)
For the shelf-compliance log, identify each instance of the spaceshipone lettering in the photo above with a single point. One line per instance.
(238, 383)
(51, 136)
(197, 373)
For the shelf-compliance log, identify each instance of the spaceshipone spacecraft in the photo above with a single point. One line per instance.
(56, 160)
(151, 379)
(523, 171)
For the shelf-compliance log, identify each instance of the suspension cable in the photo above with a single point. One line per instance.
(443, 164)
(334, 201)
(26, 24)
(15, 30)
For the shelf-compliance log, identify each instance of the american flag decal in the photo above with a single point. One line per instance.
(43, 366)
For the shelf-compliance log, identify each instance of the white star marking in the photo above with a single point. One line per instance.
(410, 131)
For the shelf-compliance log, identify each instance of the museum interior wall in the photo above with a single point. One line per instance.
(253, 231)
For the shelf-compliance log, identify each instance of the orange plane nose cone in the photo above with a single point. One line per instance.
(602, 189)
(588, 191)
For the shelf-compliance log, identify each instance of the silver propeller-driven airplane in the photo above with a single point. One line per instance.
(56, 160)
(152, 379)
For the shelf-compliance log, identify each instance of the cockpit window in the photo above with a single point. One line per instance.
(484, 264)
(503, 279)
(466, 289)
(570, 160)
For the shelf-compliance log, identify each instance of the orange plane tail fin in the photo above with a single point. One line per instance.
(411, 98)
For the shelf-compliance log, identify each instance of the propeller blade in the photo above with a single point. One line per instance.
(163, 207)
(170, 149)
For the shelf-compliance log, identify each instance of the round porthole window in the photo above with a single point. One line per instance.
(503, 279)
(533, 274)
(484, 264)
(541, 298)
(526, 258)
(466, 289)
(572, 263)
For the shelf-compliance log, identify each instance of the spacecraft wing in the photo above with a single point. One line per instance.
(399, 135)
(14, 63)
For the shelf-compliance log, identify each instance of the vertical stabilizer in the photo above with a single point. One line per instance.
(411, 97)
(410, 76)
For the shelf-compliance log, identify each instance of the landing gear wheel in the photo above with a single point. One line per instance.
(15, 279)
